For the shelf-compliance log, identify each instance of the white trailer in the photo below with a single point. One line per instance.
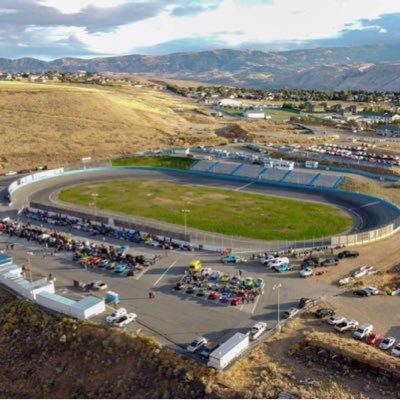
(228, 351)
(311, 164)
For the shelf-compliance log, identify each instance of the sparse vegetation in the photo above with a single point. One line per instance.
(156, 161)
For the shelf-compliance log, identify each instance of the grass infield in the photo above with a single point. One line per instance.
(214, 210)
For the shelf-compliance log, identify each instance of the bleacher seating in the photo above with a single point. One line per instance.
(225, 168)
(327, 181)
(273, 174)
(249, 171)
(203, 165)
(300, 177)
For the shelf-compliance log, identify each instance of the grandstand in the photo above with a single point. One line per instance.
(300, 177)
(304, 178)
(328, 181)
(249, 171)
(203, 165)
(224, 168)
(273, 174)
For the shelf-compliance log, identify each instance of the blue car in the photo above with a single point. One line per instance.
(283, 267)
(120, 250)
(232, 258)
(214, 276)
(120, 269)
(103, 264)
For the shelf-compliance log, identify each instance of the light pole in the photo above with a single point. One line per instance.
(277, 286)
(184, 212)
(94, 197)
(29, 254)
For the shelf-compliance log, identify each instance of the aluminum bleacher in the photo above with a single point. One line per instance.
(300, 177)
(328, 181)
(249, 171)
(203, 165)
(224, 168)
(273, 174)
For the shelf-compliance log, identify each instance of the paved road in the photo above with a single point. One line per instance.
(367, 214)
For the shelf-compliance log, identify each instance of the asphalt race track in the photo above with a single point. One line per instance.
(367, 214)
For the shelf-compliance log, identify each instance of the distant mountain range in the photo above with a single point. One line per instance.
(374, 67)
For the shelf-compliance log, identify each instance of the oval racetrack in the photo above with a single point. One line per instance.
(368, 214)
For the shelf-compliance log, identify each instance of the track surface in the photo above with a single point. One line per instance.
(367, 214)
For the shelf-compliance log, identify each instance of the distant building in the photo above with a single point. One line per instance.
(229, 103)
(255, 114)
(388, 130)
(371, 117)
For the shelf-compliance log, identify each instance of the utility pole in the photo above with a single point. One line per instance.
(277, 287)
(29, 254)
(184, 212)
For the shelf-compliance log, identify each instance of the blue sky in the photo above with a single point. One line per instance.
(49, 29)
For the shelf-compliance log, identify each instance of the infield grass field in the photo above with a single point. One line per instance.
(155, 161)
(214, 210)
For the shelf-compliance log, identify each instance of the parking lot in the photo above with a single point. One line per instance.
(175, 317)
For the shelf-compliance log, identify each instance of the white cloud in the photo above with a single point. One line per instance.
(74, 6)
(281, 20)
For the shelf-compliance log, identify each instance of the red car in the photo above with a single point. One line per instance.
(212, 295)
(374, 338)
(236, 301)
(94, 260)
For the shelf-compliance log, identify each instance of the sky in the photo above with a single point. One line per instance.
(50, 29)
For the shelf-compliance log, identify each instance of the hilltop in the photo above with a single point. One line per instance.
(362, 67)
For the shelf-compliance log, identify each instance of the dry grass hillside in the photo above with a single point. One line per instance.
(58, 123)
(61, 123)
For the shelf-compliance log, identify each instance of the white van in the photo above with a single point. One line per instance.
(363, 331)
(278, 262)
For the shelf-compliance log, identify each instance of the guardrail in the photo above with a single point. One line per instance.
(213, 241)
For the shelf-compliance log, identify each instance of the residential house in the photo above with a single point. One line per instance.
(375, 117)
(388, 130)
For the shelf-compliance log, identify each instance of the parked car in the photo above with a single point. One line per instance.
(336, 319)
(387, 343)
(329, 261)
(346, 325)
(306, 272)
(363, 331)
(348, 254)
(190, 289)
(278, 262)
(324, 312)
(346, 280)
(248, 282)
(195, 266)
(120, 269)
(232, 258)
(196, 344)
(212, 295)
(208, 348)
(96, 285)
(179, 285)
(307, 302)
(283, 267)
(358, 273)
(234, 281)
(266, 259)
(259, 283)
(396, 350)
(115, 315)
(225, 277)
(201, 292)
(290, 313)
(214, 276)
(236, 301)
(124, 320)
(374, 338)
(310, 262)
(103, 263)
(367, 291)
(257, 330)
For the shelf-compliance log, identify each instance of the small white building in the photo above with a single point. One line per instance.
(256, 114)
(230, 103)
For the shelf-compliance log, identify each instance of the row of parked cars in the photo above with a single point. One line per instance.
(360, 332)
(121, 318)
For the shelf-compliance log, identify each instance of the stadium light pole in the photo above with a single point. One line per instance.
(185, 211)
(29, 254)
(277, 287)
(94, 197)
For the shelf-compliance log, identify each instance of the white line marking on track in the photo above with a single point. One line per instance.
(368, 205)
(159, 279)
(255, 304)
(244, 186)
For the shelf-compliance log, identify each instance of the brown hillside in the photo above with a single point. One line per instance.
(59, 123)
